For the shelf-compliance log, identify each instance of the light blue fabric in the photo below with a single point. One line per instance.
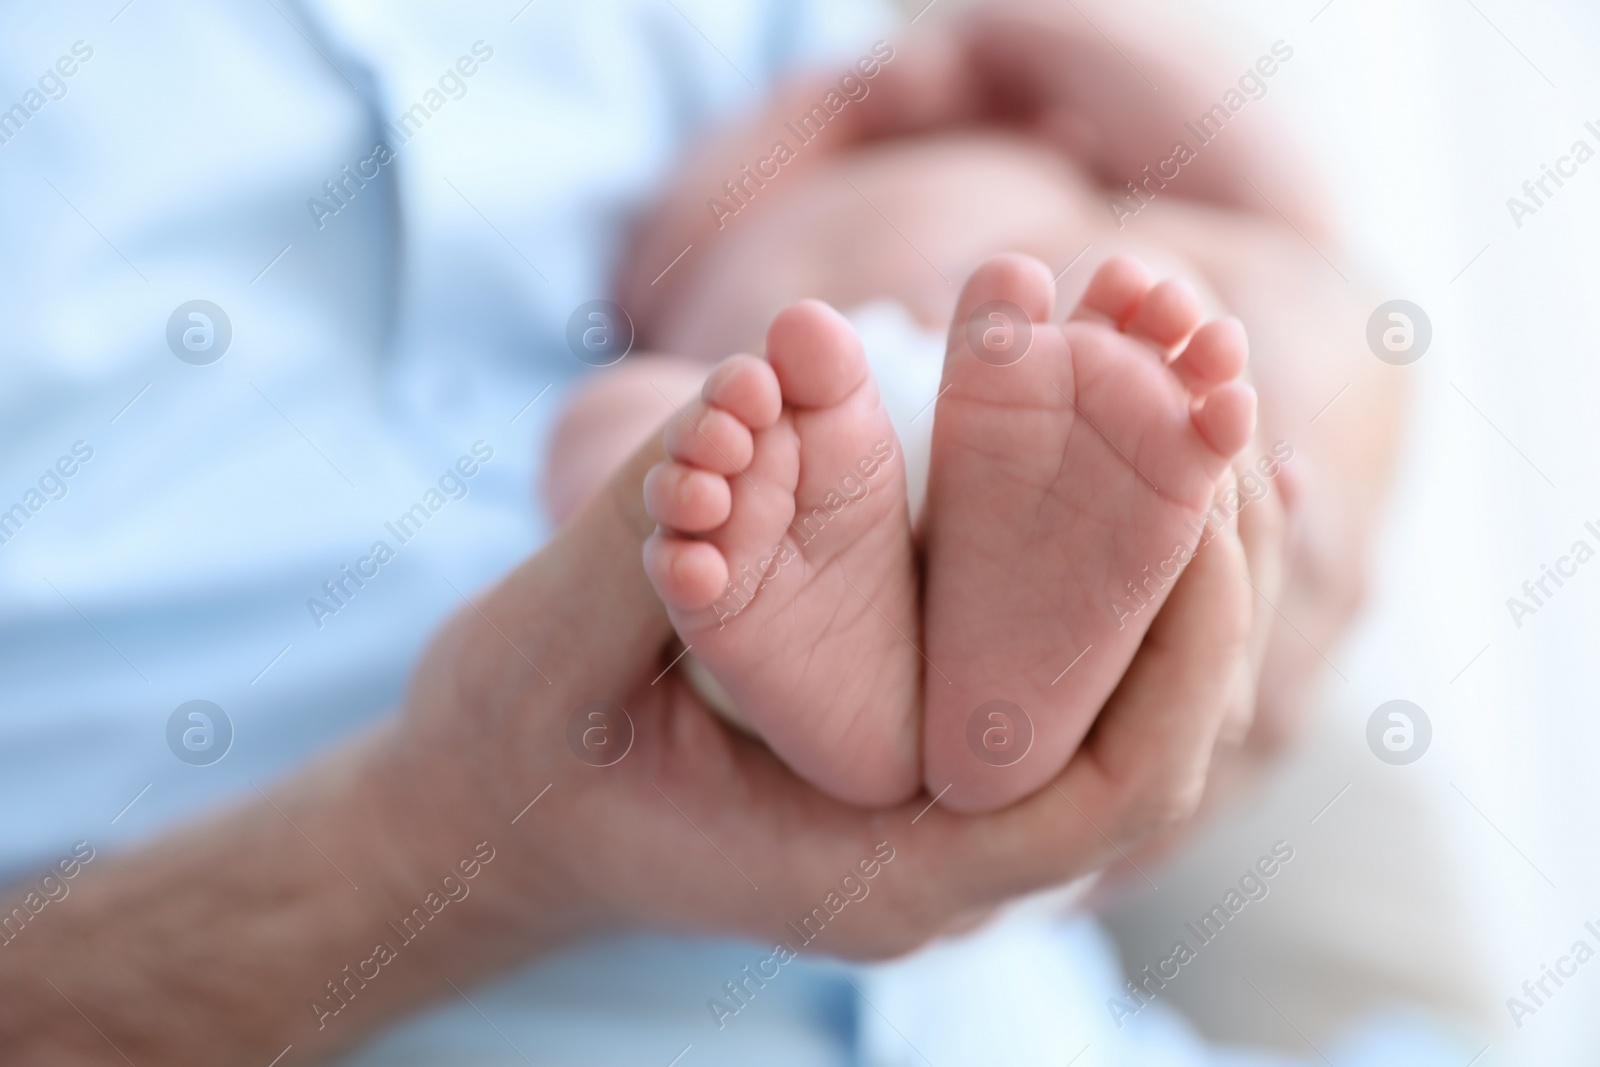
(368, 352)
(370, 349)
(187, 156)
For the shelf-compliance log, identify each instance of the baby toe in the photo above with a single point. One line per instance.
(1115, 291)
(711, 438)
(686, 498)
(816, 355)
(746, 388)
(688, 575)
(1016, 279)
(1226, 418)
(1215, 354)
(1167, 314)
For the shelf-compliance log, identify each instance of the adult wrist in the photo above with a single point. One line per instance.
(483, 735)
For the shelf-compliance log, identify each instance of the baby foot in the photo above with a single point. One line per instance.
(784, 556)
(1073, 466)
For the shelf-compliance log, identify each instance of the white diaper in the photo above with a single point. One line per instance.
(907, 360)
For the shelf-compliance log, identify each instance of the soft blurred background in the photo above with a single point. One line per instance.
(1457, 877)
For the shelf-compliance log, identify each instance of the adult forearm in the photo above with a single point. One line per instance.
(215, 943)
(363, 886)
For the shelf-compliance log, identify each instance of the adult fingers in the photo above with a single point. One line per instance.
(1262, 523)
(1143, 764)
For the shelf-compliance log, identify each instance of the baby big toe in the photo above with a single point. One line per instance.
(816, 355)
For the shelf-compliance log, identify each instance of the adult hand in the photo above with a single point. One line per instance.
(468, 836)
(1248, 741)
(701, 829)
